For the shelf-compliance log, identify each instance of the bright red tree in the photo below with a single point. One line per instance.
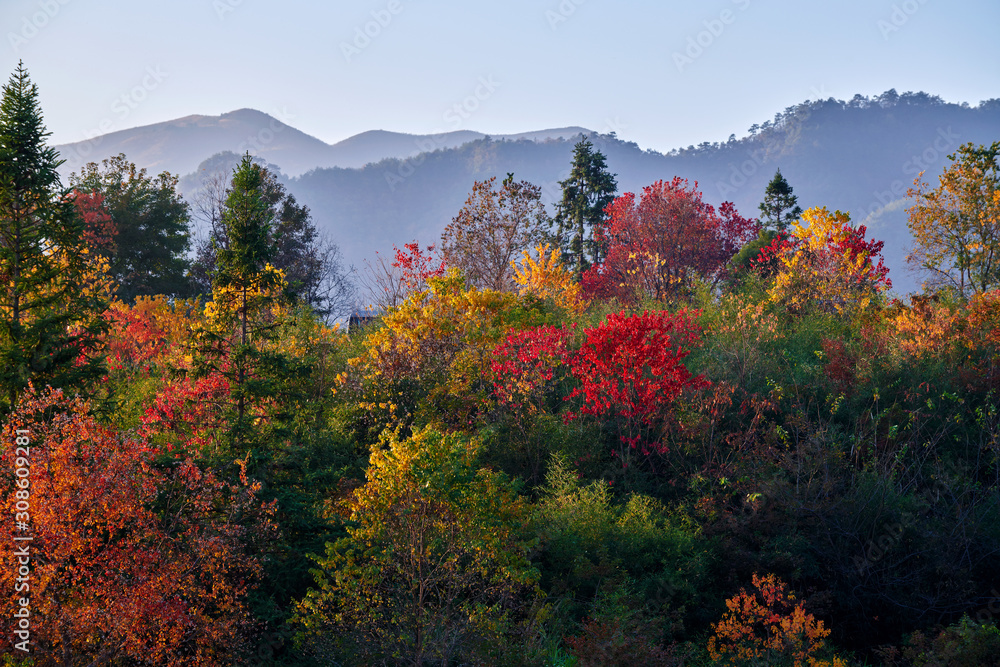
(524, 366)
(630, 368)
(657, 246)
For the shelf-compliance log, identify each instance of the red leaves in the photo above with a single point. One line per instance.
(130, 560)
(99, 228)
(630, 369)
(631, 365)
(524, 365)
(658, 246)
(417, 265)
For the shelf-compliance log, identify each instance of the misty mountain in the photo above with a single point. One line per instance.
(858, 156)
(179, 146)
(380, 189)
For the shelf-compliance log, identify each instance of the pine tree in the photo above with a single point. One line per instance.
(780, 207)
(48, 311)
(589, 188)
(248, 309)
(312, 264)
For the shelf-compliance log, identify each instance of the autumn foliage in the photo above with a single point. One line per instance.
(630, 368)
(433, 570)
(657, 247)
(827, 263)
(543, 276)
(767, 626)
(130, 560)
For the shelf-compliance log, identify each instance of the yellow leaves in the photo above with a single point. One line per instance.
(828, 265)
(956, 226)
(546, 278)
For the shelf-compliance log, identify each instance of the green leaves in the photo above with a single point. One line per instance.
(433, 568)
(151, 223)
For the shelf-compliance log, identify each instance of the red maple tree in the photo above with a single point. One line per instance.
(630, 368)
(657, 246)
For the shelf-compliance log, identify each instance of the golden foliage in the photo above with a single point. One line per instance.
(547, 278)
(828, 265)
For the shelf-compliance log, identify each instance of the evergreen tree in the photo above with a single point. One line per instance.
(48, 311)
(312, 265)
(780, 207)
(586, 192)
(246, 313)
(151, 222)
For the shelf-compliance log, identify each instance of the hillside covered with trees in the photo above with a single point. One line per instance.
(858, 156)
(653, 428)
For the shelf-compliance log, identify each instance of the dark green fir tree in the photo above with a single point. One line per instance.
(49, 313)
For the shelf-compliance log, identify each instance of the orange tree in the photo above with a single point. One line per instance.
(767, 627)
(128, 561)
(956, 226)
(433, 570)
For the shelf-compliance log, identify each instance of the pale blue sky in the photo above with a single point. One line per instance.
(663, 74)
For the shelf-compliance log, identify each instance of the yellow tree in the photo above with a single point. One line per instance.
(956, 226)
(430, 359)
(433, 570)
(545, 277)
(827, 263)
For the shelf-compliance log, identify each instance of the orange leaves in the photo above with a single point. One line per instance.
(767, 625)
(139, 557)
(151, 331)
(956, 226)
(927, 325)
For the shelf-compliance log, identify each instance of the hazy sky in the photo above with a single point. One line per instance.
(663, 74)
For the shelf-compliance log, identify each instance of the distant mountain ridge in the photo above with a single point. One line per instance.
(179, 146)
(859, 156)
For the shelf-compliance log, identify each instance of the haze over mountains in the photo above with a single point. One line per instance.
(382, 188)
(179, 146)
